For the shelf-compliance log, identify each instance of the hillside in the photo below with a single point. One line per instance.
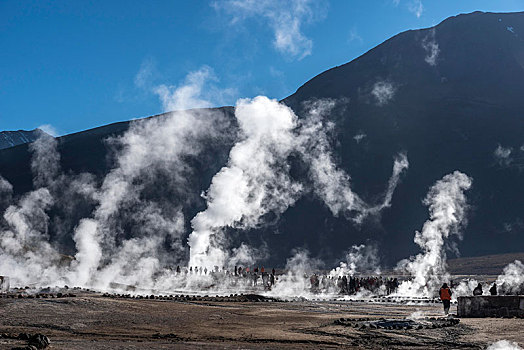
(483, 265)
(448, 96)
(14, 138)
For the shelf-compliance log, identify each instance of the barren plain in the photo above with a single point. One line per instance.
(94, 321)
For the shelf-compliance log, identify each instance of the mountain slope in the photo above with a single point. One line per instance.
(448, 96)
(14, 138)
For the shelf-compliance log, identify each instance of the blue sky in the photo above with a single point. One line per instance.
(75, 65)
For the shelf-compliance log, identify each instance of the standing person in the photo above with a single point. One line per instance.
(445, 296)
(493, 289)
(478, 290)
(344, 284)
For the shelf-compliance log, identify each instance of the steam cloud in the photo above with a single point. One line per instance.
(254, 182)
(359, 259)
(447, 211)
(294, 282)
(149, 148)
(430, 45)
(503, 155)
(504, 345)
(383, 91)
(512, 279)
(125, 232)
(359, 137)
(45, 162)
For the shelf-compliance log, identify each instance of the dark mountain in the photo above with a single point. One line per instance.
(449, 96)
(14, 138)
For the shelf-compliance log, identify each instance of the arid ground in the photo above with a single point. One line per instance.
(94, 321)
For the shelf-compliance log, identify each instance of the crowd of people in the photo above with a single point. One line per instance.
(352, 285)
(319, 283)
(246, 276)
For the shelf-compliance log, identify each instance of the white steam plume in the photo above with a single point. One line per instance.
(296, 281)
(255, 181)
(189, 94)
(330, 183)
(49, 129)
(198, 89)
(384, 92)
(6, 192)
(130, 238)
(25, 251)
(430, 45)
(511, 281)
(503, 155)
(359, 137)
(45, 162)
(504, 345)
(359, 259)
(400, 165)
(148, 147)
(447, 211)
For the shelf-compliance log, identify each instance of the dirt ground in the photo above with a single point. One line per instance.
(91, 321)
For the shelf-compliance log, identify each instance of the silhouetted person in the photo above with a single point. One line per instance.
(493, 289)
(478, 290)
(445, 296)
(344, 284)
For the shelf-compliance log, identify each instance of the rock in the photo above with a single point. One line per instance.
(23, 336)
(39, 341)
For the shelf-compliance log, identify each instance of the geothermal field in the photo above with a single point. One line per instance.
(136, 292)
(377, 207)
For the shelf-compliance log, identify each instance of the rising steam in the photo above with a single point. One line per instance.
(447, 212)
(512, 279)
(254, 182)
(256, 179)
(129, 228)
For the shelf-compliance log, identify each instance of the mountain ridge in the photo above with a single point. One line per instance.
(14, 138)
(448, 96)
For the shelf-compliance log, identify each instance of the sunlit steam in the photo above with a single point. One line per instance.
(254, 182)
(447, 212)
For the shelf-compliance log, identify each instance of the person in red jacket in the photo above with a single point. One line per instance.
(445, 296)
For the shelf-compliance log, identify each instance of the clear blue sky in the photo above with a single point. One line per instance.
(80, 64)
